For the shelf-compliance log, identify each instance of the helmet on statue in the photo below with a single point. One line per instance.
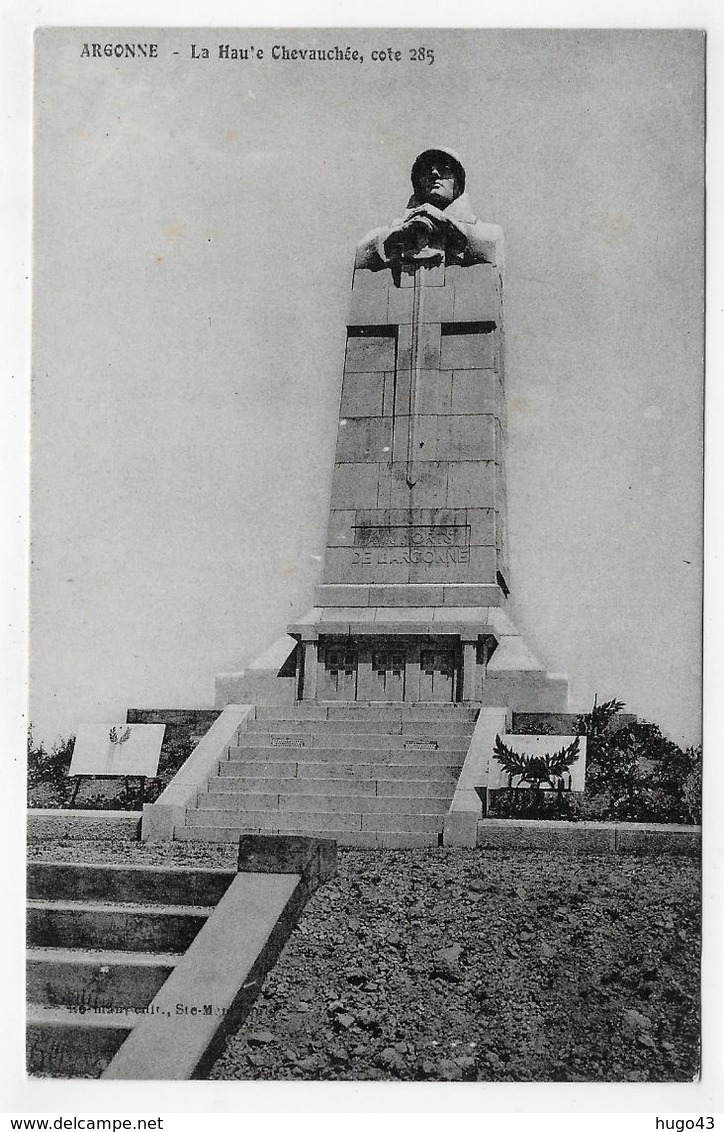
(430, 168)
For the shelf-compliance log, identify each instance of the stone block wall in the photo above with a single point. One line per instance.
(418, 490)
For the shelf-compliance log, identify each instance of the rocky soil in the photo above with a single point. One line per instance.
(450, 965)
(460, 965)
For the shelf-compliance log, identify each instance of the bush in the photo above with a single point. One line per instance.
(633, 773)
(691, 790)
(548, 805)
(638, 774)
(48, 771)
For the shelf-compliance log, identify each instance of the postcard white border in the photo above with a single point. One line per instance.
(30, 1097)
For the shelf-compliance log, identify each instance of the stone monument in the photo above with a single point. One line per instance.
(413, 600)
(381, 718)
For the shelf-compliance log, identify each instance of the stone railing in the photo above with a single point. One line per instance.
(162, 816)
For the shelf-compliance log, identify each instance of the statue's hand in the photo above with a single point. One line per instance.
(433, 214)
(438, 224)
(394, 239)
(419, 226)
(411, 235)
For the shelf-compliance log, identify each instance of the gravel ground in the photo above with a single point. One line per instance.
(470, 965)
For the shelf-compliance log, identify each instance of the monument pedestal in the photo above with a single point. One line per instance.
(422, 655)
(411, 605)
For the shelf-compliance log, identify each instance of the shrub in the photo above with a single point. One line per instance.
(549, 805)
(691, 789)
(633, 773)
(637, 773)
(48, 771)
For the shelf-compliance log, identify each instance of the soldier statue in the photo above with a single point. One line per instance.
(439, 224)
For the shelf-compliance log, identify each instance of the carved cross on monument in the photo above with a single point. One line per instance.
(418, 303)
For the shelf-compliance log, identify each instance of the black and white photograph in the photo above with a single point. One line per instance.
(366, 557)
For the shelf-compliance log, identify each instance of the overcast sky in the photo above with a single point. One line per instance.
(194, 232)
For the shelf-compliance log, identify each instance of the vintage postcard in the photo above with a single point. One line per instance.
(367, 480)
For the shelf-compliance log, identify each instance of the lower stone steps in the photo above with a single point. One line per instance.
(261, 783)
(122, 927)
(105, 977)
(316, 821)
(352, 747)
(102, 942)
(92, 980)
(350, 839)
(379, 730)
(374, 712)
(363, 774)
(140, 884)
(356, 740)
(64, 1043)
(240, 802)
(338, 769)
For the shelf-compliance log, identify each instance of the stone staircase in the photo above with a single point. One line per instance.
(366, 775)
(102, 941)
(138, 972)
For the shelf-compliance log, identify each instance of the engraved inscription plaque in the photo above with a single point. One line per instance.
(452, 535)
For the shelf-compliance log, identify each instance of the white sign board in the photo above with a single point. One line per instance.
(540, 748)
(117, 749)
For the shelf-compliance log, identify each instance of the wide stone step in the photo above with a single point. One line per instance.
(317, 768)
(332, 787)
(120, 926)
(64, 1043)
(293, 802)
(368, 711)
(344, 740)
(316, 821)
(421, 729)
(127, 883)
(88, 979)
(426, 755)
(351, 839)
